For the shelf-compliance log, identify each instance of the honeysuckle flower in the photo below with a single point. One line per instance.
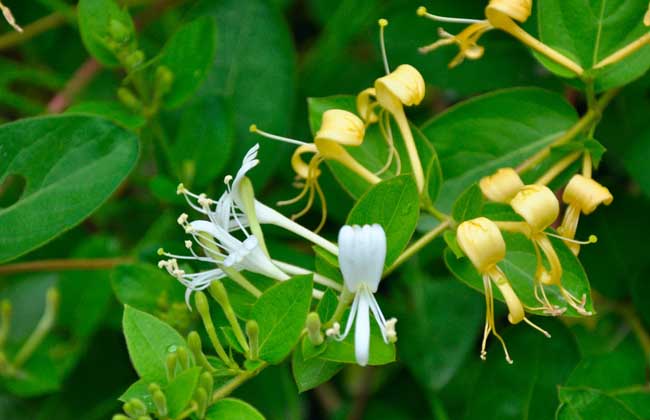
(338, 128)
(502, 186)
(362, 252)
(9, 17)
(582, 195)
(539, 207)
(402, 87)
(481, 241)
(502, 15)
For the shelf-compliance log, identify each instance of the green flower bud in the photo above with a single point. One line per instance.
(120, 417)
(183, 357)
(134, 59)
(206, 381)
(171, 362)
(313, 329)
(118, 31)
(253, 333)
(129, 99)
(164, 80)
(160, 402)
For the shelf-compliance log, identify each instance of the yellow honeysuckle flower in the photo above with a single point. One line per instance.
(502, 186)
(338, 128)
(539, 207)
(481, 241)
(582, 195)
(502, 15)
(403, 87)
(9, 17)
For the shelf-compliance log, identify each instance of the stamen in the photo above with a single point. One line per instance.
(334, 331)
(543, 331)
(382, 24)
(422, 12)
(592, 239)
(253, 129)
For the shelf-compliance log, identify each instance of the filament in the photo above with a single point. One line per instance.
(382, 24)
(253, 129)
(592, 239)
(422, 11)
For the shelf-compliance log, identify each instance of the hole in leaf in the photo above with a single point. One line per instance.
(11, 190)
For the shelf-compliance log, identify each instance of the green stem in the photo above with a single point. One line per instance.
(587, 120)
(235, 382)
(43, 327)
(344, 301)
(64, 265)
(418, 245)
(239, 278)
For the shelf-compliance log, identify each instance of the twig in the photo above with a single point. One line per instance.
(81, 78)
(63, 265)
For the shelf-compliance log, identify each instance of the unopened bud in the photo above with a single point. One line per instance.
(160, 402)
(253, 333)
(206, 382)
(201, 398)
(313, 329)
(183, 357)
(120, 417)
(164, 79)
(119, 32)
(502, 186)
(537, 205)
(481, 240)
(135, 408)
(127, 97)
(134, 59)
(170, 362)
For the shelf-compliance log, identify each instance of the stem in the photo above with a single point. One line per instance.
(344, 301)
(62, 265)
(37, 27)
(81, 78)
(560, 166)
(418, 245)
(435, 212)
(42, 328)
(624, 52)
(514, 30)
(234, 383)
(239, 278)
(589, 118)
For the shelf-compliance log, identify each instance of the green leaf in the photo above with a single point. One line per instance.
(281, 313)
(527, 389)
(111, 110)
(232, 409)
(255, 70)
(204, 141)
(394, 205)
(149, 340)
(440, 315)
(180, 390)
(309, 373)
(578, 404)
(189, 54)
(469, 205)
(95, 18)
(500, 129)
(71, 165)
(591, 31)
(144, 287)
(519, 266)
(327, 305)
(373, 152)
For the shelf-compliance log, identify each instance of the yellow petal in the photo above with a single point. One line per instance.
(482, 242)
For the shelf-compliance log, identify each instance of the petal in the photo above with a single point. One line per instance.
(362, 330)
(348, 253)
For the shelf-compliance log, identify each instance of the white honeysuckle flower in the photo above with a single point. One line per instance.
(231, 206)
(362, 252)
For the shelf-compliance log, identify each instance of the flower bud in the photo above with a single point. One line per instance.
(482, 242)
(118, 31)
(164, 79)
(405, 83)
(160, 402)
(502, 186)
(341, 127)
(134, 59)
(586, 194)
(537, 205)
(253, 333)
(127, 97)
(518, 10)
(206, 381)
(313, 329)
(364, 105)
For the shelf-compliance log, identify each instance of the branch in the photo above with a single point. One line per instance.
(63, 265)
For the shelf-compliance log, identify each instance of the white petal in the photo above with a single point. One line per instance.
(375, 261)
(348, 253)
(362, 330)
(379, 316)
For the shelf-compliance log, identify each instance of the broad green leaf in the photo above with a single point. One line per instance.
(469, 204)
(204, 141)
(519, 266)
(98, 21)
(189, 54)
(441, 318)
(327, 305)
(394, 204)
(149, 340)
(343, 351)
(528, 388)
(254, 68)
(373, 152)
(232, 409)
(500, 129)
(144, 287)
(113, 111)
(180, 390)
(591, 31)
(71, 165)
(312, 372)
(140, 390)
(586, 403)
(281, 312)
